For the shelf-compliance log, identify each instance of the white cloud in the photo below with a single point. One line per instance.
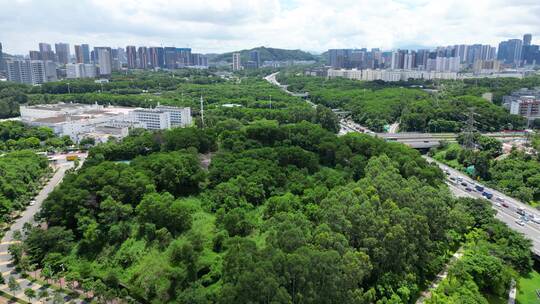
(224, 25)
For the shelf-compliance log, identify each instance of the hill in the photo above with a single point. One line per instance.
(268, 54)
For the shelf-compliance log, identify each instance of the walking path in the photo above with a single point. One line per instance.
(440, 277)
(6, 266)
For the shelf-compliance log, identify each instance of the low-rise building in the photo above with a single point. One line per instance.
(524, 102)
(80, 121)
(390, 75)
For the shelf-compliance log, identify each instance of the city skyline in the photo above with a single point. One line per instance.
(222, 26)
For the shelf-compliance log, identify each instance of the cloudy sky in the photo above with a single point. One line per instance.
(226, 25)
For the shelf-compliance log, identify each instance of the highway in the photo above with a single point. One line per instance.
(507, 215)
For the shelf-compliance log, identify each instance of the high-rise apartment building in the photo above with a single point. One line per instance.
(34, 55)
(254, 59)
(183, 57)
(527, 38)
(85, 53)
(2, 62)
(62, 52)
(510, 51)
(50, 71)
(104, 60)
(143, 57)
(131, 53)
(121, 56)
(169, 55)
(27, 71)
(531, 55)
(339, 58)
(46, 51)
(19, 71)
(236, 62)
(421, 59)
(398, 59)
(79, 57)
(199, 60)
(80, 70)
(155, 55)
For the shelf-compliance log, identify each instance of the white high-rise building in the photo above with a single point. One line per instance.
(50, 70)
(27, 71)
(408, 61)
(105, 61)
(237, 65)
(394, 64)
(80, 70)
(444, 64)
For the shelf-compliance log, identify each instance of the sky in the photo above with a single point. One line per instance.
(215, 26)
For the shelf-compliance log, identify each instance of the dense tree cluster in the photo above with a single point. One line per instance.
(20, 174)
(375, 104)
(286, 213)
(492, 255)
(14, 135)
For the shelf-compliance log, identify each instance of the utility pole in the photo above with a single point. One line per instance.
(202, 112)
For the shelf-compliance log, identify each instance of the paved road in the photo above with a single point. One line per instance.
(6, 267)
(508, 215)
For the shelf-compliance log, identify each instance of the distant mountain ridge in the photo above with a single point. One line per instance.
(267, 54)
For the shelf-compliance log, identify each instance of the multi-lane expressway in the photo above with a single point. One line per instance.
(508, 215)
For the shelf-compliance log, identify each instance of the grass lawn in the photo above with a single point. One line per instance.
(527, 287)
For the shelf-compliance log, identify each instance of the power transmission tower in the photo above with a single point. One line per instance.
(469, 130)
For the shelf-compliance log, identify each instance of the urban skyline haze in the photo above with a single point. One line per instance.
(216, 26)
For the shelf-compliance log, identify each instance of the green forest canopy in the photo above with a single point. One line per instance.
(286, 213)
(377, 103)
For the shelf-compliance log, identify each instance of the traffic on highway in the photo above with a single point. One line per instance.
(515, 214)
